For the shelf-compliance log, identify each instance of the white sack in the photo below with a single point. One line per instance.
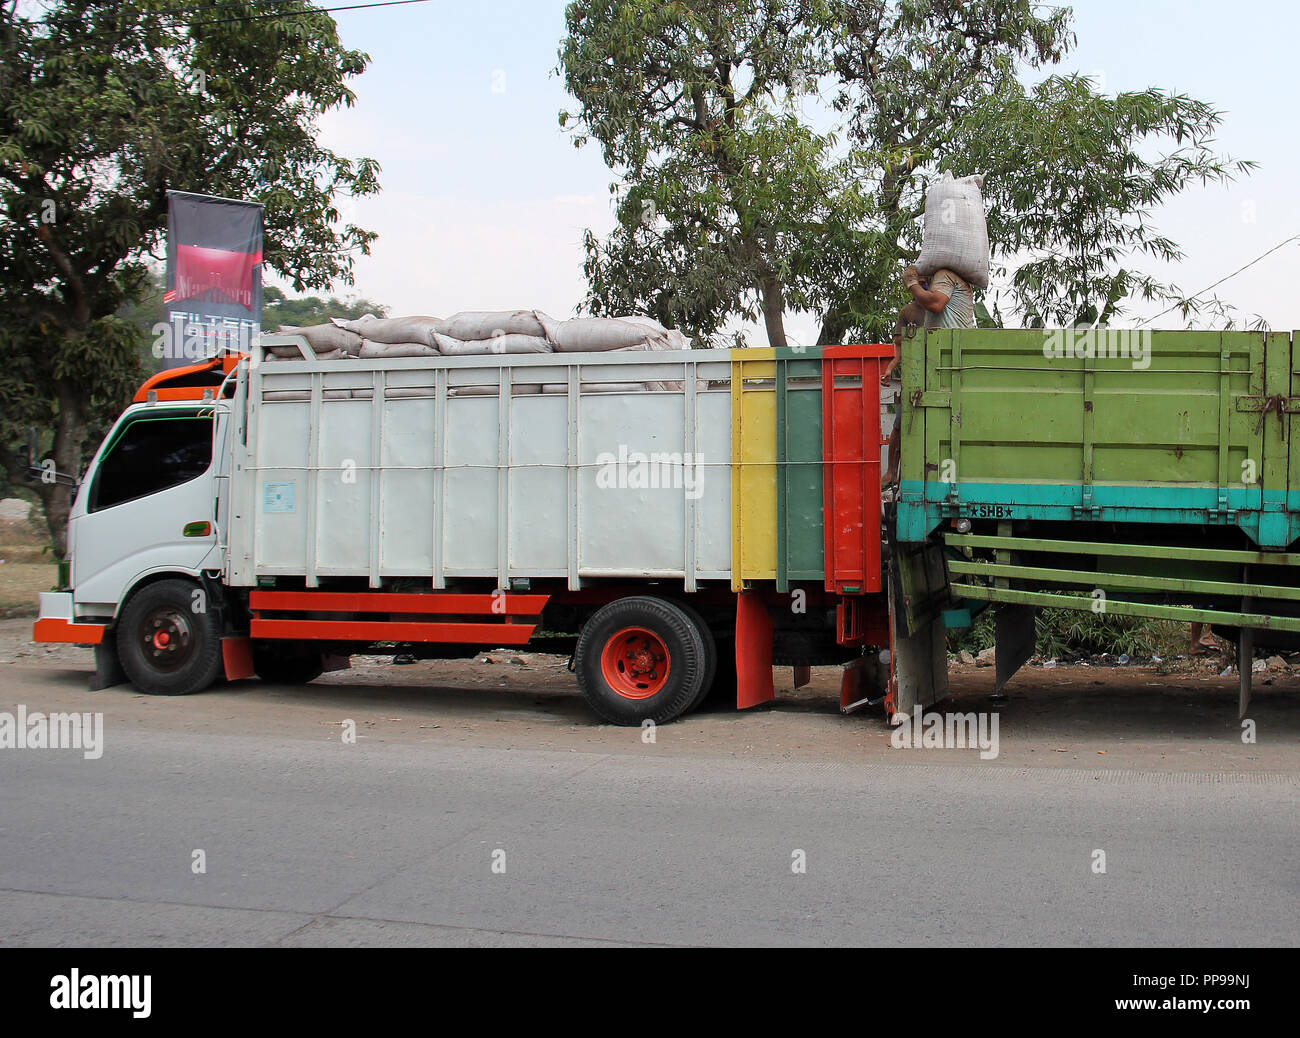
(450, 346)
(397, 331)
(323, 338)
(956, 230)
(475, 326)
(596, 335)
(352, 325)
(596, 387)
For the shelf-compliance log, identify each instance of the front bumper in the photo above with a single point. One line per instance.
(56, 623)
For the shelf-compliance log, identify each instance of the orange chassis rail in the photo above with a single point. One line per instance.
(501, 618)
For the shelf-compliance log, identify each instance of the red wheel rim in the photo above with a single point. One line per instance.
(634, 663)
(167, 638)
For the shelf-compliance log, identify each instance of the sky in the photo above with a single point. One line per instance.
(485, 199)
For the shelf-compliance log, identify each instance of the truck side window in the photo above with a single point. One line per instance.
(153, 453)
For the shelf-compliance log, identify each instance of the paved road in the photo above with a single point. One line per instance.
(313, 842)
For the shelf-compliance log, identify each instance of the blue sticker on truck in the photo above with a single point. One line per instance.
(277, 498)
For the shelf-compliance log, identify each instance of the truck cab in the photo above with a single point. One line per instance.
(150, 503)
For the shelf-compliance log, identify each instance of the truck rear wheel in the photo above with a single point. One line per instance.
(711, 654)
(641, 659)
(166, 647)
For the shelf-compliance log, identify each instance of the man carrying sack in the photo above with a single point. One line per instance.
(948, 299)
(955, 256)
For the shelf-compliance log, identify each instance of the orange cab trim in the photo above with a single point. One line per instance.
(158, 384)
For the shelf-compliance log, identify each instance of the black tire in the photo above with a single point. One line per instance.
(166, 648)
(280, 664)
(658, 675)
(710, 650)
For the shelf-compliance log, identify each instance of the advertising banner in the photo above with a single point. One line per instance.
(213, 300)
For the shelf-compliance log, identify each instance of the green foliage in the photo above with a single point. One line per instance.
(733, 201)
(104, 107)
(728, 193)
(1077, 235)
(1062, 633)
(278, 310)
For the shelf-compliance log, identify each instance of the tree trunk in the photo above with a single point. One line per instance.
(69, 436)
(774, 310)
(834, 327)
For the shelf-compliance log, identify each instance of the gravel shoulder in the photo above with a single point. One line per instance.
(1070, 716)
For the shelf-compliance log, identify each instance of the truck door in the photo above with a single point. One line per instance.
(147, 505)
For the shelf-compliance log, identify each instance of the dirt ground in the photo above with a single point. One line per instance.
(1090, 717)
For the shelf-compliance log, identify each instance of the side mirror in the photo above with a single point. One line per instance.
(42, 472)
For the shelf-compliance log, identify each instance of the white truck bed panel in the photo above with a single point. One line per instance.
(386, 469)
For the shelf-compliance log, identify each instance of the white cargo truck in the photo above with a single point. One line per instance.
(266, 516)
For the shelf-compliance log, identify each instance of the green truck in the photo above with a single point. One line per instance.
(1150, 474)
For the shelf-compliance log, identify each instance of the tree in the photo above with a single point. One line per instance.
(911, 88)
(104, 107)
(726, 187)
(279, 311)
(934, 85)
(1072, 241)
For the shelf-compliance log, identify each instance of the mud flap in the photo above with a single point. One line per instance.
(1016, 634)
(919, 662)
(108, 668)
(754, 641)
(237, 659)
(918, 596)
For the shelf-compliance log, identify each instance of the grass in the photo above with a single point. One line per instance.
(20, 585)
(27, 569)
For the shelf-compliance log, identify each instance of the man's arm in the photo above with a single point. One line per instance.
(933, 301)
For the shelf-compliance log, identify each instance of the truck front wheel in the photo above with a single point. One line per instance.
(641, 659)
(168, 641)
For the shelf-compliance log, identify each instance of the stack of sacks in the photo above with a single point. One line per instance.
(476, 334)
(483, 334)
(614, 334)
(393, 338)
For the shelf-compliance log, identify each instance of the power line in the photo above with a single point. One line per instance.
(1258, 259)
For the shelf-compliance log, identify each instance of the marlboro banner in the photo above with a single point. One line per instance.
(213, 302)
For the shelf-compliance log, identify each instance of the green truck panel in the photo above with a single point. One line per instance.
(801, 537)
(1159, 427)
